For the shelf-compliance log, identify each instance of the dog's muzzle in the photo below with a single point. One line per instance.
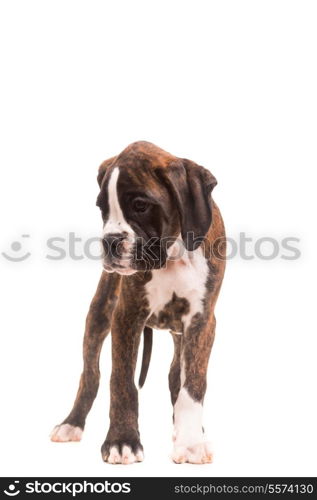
(117, 250)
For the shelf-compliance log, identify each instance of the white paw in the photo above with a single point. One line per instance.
(66, 432)
(199, 453)
(125, 457)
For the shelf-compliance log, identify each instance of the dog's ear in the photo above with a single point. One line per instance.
(191, 185)
(103, 169)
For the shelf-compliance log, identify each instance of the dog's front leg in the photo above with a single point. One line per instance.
(97, 328)
(122, 444)
(189, 440)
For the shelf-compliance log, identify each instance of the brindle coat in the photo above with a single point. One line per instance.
(121, 303)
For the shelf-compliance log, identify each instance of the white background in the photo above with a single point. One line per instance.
(228, 84)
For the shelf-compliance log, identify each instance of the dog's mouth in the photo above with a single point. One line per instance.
(118, 268)
(118, 256)
(126, 272)
(138, 257)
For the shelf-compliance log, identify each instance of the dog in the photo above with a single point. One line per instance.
(163, 264)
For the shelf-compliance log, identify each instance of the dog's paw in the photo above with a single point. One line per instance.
(199, 453)
(66, 432)
(126, 456)
(123, 450)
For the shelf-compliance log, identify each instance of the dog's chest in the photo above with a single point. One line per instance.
(176, 292)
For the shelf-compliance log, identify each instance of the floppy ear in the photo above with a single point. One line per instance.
(191, 186)
(103, 169)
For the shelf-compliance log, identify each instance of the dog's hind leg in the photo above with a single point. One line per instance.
(97, 328)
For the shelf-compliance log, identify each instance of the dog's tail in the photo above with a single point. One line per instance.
(147, 350)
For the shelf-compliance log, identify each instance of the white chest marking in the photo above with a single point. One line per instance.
(186, 278)
(116, 222)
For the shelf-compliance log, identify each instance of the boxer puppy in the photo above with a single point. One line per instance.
(164, 247)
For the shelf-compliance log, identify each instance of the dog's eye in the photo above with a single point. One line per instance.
(140, 205)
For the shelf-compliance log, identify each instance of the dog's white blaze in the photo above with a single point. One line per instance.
(186, 277)
(116, 222)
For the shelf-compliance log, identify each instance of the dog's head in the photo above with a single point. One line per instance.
(148, 198)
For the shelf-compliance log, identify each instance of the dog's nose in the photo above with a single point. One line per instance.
(112, 244)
